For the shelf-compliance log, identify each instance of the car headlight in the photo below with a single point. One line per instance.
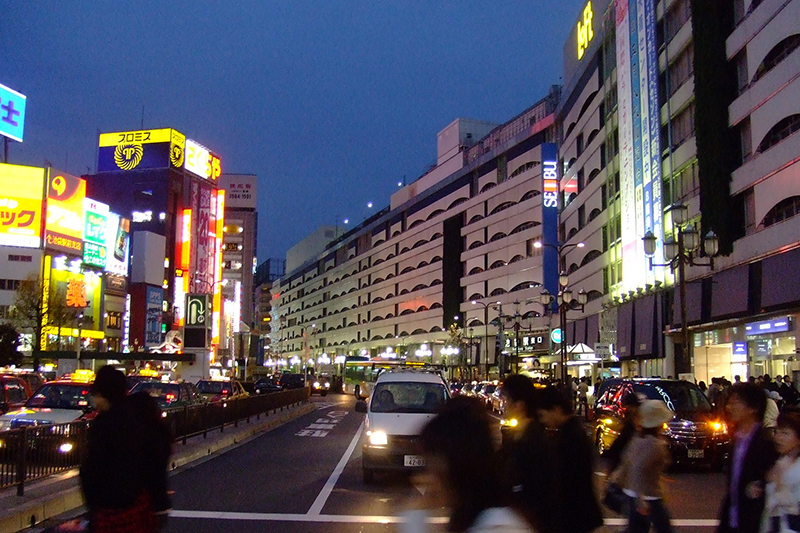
(5, 425)
(378, 438)
(719, 428)
(316, 384)
(327, 385)
(509, 422)
(65, 448)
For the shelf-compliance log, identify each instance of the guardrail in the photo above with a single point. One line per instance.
(35, 452)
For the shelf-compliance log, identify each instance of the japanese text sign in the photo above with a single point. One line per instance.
(21, 191)
(12, 113)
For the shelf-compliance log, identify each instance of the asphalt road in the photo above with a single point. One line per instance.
(306, 476)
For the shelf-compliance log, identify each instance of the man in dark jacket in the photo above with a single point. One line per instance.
(753, 456)
(576, 507)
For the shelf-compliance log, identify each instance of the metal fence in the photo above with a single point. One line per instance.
(34, 452)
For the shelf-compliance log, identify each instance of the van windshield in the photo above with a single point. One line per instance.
(680, 396)
(408, 397)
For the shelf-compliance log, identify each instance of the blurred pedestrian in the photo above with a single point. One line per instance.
(630, 403)
(752, 457)
(462, 474)
(641, 471)
(525, 454)
(583, 397)
(157, 441)
(787, 391)
(576, 507)
(782, 502)
(111, 476)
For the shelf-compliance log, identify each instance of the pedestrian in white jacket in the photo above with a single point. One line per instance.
(782, 503)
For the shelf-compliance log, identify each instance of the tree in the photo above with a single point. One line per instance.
(33, 313)
(9, 342)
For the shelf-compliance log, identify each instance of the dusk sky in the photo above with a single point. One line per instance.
(330, 102)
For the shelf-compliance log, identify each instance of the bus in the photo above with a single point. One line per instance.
(360, 372)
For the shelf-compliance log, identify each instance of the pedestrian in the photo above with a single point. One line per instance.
(782, 501)
(525, 455)
(583, 397)
(641, 471)
(630, 404)
(752, 457)
(787, 391)
(576, 507)
(157, 441)
(703, 386)
(111, 475)
(462, 474)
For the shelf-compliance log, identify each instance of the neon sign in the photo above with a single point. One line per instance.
(550, 184)
(199, 160)
(585, 32)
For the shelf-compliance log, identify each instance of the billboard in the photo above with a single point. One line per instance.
(21, 191)
(139, 150)
(12, 113)
(550, 217)
(240, 190)
(117, 244)
(95, 251)
(152, 322)
(80, 291)
(200, 161)
(64, 222)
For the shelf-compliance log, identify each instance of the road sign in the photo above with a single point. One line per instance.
(602, 350)
(197, 311)
(555, 335)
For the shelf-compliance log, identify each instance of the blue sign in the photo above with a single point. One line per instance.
(739, 348)
(767, 326)
(555, 336)
(550, 219)
(12, 113)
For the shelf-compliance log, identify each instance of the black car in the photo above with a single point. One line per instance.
(697, 434)
(266, 385)
(292, 381)
(172, 394)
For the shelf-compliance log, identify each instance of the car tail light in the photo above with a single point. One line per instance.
(171, 397)
(225, 391)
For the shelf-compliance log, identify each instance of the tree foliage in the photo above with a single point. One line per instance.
(9, 342)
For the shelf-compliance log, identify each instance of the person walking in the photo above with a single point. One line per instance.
(525, 455)
(782, 500)
(575, 503)
(641, 472)
(111, 477)
(462, 474)
(753, 455)
(583, 397)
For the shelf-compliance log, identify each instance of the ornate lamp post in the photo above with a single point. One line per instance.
(485, 335)
(678, 252)
(565, 303)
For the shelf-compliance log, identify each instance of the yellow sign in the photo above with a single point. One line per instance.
(136, 137)
(585, 32)
(21, 190)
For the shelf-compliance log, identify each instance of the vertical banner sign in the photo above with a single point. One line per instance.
(64, 223)
(550, 217)
(627, 184)
(117, 236)
(95, 251)
(152, 324)
(653, 185)
(12, 113)
(219, 214)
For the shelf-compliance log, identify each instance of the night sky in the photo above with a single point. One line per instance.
(330, 102)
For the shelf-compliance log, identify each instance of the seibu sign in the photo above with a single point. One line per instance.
(550, 184)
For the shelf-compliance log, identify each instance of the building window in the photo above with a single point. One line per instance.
(785, 209)
(678, 15)
(683, 126)
(20, 258)
(681, 69)
(776, 55)
(745, 138)
(114, 320)
(581, 217)
(687, 180)
(581, 181)
(779, 132)
(579, 144)
(9, 284)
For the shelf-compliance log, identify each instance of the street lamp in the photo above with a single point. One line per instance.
(565, 303)
(677, 253)
(486, 333)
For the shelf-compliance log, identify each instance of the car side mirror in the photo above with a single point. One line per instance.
(361, 406)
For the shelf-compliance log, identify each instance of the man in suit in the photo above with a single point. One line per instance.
(752, 457)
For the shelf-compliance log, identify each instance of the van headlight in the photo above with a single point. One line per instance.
(65, 448)
(378, 438)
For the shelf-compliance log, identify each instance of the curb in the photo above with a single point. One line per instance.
(66, 495)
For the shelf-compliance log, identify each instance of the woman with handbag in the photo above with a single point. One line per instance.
(641, 470)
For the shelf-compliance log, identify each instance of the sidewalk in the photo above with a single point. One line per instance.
(60, 493)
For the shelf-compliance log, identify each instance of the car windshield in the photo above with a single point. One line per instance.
(408, 397)
(165, 394)
(488, 389)
(213, 387)
(680, 396)
(60, 396)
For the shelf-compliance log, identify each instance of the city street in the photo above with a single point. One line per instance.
(306, 476)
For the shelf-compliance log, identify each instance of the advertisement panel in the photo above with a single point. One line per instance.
(152, 323)
(95, 250)
(139, 150)
(203, 228)
(21, 190)
(200, 161)
(64, 223)
(240, 190)
(81, 292)
(12, 113)
(550, 216)
(117, 241)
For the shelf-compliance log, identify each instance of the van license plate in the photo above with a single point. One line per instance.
(413, 460)
(696, 454)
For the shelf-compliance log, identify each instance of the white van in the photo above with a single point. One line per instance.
(399, 406)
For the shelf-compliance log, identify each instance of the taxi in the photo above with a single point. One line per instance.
(56, 402)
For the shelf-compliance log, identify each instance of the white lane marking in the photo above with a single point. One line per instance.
(322, 497)
(367, 519)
